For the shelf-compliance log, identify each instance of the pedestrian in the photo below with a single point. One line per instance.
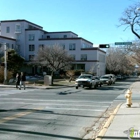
(22, 80)
(17, 80)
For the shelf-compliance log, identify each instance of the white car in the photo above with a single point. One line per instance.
(113, 78)
(99, 82)
(86, 80)
(106, 79)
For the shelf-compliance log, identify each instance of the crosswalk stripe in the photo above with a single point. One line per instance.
(74, 109)
(53, 104)
(6, 92)
(67, 101)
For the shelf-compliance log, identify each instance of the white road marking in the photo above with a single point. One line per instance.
(67, 101)
(73, 109)
(54, 104)
(7, 92)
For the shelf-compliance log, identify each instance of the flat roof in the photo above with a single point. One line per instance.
(21, 20)
(72, 38)
(63, 32)
(7, 38)
(94, 48)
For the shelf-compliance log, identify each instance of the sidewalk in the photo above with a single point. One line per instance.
(124, 123)
(56, 85)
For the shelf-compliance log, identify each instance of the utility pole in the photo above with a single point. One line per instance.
(5, 64)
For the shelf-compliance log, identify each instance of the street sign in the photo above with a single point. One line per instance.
(123, 43)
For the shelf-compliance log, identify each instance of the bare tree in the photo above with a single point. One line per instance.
(133, 51)
(54, 57)
(131, 18)
(118, 61)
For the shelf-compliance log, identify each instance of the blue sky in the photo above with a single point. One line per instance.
(93, 20)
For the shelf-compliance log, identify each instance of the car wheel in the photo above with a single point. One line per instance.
(90, 86)
(76, 87)
(95, 86)
(100, 85)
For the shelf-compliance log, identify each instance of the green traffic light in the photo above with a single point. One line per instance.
(104, 46)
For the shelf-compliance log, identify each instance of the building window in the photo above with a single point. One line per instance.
(78, 67)
(7, 46)
(12, 46)
(73, 56)
(62, 46)
(18, 28)
(48, 36)
(65, 36)
(41, 46)
(7, 29)
(31, 47)
(31, 57)
(18, 37)
(72, 46)
(84, 57)
(31, 37)
(83, 46)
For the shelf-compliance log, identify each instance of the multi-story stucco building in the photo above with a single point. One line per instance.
(26, 37)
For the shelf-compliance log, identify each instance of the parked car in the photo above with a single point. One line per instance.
(113, 78)
(99, 82)
(106, 79)
(119, 77)
(86, 80)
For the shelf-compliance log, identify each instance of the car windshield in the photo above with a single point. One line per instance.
(85, 76)
(105, 77)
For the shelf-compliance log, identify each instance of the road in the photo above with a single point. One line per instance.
(56, 114)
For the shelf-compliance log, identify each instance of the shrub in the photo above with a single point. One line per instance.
(9, 75)
(72, 73)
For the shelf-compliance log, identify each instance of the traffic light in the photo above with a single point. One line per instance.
(104, 46)
(9, 55)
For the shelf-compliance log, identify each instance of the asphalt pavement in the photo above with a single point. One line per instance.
(124, 123)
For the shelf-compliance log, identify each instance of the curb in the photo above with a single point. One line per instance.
(107, 124)
(37, 87)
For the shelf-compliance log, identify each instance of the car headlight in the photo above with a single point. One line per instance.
(88, 80)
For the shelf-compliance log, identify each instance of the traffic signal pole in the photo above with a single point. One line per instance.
(5, 62)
